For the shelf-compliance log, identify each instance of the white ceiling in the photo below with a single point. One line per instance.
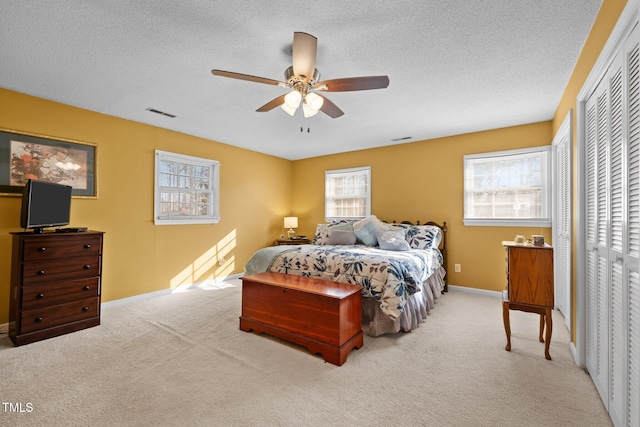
(455, 66)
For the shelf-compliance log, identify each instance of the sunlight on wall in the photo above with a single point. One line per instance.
(210, 268)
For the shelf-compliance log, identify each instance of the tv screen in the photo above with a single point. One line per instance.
(45, 204)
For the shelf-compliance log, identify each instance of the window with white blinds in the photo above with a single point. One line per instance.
(347, 193)
(186, 189)
(508, 188)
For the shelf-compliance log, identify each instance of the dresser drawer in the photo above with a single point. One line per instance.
(43, 318)
(52, 270)
(64, 245)
(39, 296)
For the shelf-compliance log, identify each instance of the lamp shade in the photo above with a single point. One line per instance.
(290, 222)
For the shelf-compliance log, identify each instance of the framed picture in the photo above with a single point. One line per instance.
(25, 156)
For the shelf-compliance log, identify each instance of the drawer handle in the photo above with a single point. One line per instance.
(86, 288)
(87, 246)
(86, 266)
(39, 319)
(40, 296)
(42, 249)
(40, 272)
(85, 309)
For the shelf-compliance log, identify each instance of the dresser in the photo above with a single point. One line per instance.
(55, 284)
(529, 287)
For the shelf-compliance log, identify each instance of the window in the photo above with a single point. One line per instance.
(508, 188)
(347, 193)
(186, 190)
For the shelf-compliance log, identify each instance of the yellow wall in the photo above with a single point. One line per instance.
(423, 181)
(140, 257)
(606, 20)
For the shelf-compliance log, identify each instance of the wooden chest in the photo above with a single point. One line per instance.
(325, 317)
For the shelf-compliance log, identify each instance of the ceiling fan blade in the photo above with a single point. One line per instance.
(247, 77)
(330, 109)
(305, 48)
(272, 104)
(353, 83)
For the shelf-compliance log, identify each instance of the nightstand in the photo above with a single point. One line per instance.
(529, 287)
(292, 242)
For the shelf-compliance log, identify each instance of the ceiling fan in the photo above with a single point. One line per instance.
(302, 77)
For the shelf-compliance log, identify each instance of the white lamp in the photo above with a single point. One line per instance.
(312, 104)
(290, 222)
(291, 102)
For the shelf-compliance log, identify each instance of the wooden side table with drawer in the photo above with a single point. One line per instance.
(55, 284)
(529, 287)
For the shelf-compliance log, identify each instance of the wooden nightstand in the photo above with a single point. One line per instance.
(529, 287)
(292, 242)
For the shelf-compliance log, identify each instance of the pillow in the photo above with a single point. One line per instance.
(423, 236)
(393, 241)
(322, 234)
(341, 237)
(367, 228)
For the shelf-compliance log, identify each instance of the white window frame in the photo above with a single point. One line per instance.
(327, 197)
(212, 215)
(546, 186)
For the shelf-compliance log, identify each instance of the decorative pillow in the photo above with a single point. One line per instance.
(423, 236)
(342, 225)
(393, 241)
(367, 228)
(341, 237)
(322, 234)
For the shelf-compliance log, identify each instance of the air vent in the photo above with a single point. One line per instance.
(404, 138)
(153, 110)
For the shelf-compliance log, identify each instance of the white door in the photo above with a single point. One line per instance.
(612, 249)
(562, 219)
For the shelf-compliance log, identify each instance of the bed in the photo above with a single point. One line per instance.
(400, 267)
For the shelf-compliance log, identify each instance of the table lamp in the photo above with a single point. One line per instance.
(290, 222)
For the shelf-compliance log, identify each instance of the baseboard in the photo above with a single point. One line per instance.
(477, 291)
(182, 288)
(4, 328)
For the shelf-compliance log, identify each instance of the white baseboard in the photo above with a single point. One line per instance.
(477, 291)
(141, 297)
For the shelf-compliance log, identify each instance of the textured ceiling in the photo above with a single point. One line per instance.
(455, 66)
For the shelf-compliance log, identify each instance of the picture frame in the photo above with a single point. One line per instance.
(25, 156)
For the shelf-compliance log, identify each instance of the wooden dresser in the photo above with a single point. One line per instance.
(324, 316)
(529, 287)
(55, 284)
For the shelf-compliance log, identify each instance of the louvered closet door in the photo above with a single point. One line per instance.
(596, 241)
(631, 239)
(562, 222)
(613, 235)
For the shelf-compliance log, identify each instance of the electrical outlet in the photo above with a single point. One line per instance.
(456, 268)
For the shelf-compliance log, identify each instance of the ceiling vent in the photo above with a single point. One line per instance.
(153, 110)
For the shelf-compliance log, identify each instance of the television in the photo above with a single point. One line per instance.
(45, 204)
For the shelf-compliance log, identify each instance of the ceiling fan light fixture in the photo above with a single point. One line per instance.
(292, 99)
(314, 101)
(308, 111)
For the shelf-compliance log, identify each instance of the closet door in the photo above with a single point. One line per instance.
(562, 220)
(613, 235)
(597, 283)
(631, 271)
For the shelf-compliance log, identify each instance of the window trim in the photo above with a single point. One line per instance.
(214, 190)
(328, 173)
(512, 222)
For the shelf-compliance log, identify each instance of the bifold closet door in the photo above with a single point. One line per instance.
(613, 237)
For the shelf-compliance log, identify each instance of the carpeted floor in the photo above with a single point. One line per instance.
(180, 360)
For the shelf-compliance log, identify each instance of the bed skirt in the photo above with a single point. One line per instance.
(375, 322)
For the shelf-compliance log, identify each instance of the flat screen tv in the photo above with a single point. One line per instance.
(45, 204)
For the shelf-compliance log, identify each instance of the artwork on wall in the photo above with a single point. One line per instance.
(25, 156)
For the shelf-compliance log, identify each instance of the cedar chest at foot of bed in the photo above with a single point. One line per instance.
(323, 316)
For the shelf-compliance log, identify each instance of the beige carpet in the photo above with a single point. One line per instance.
(180, 360)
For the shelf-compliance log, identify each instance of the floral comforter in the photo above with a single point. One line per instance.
(390, 277)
